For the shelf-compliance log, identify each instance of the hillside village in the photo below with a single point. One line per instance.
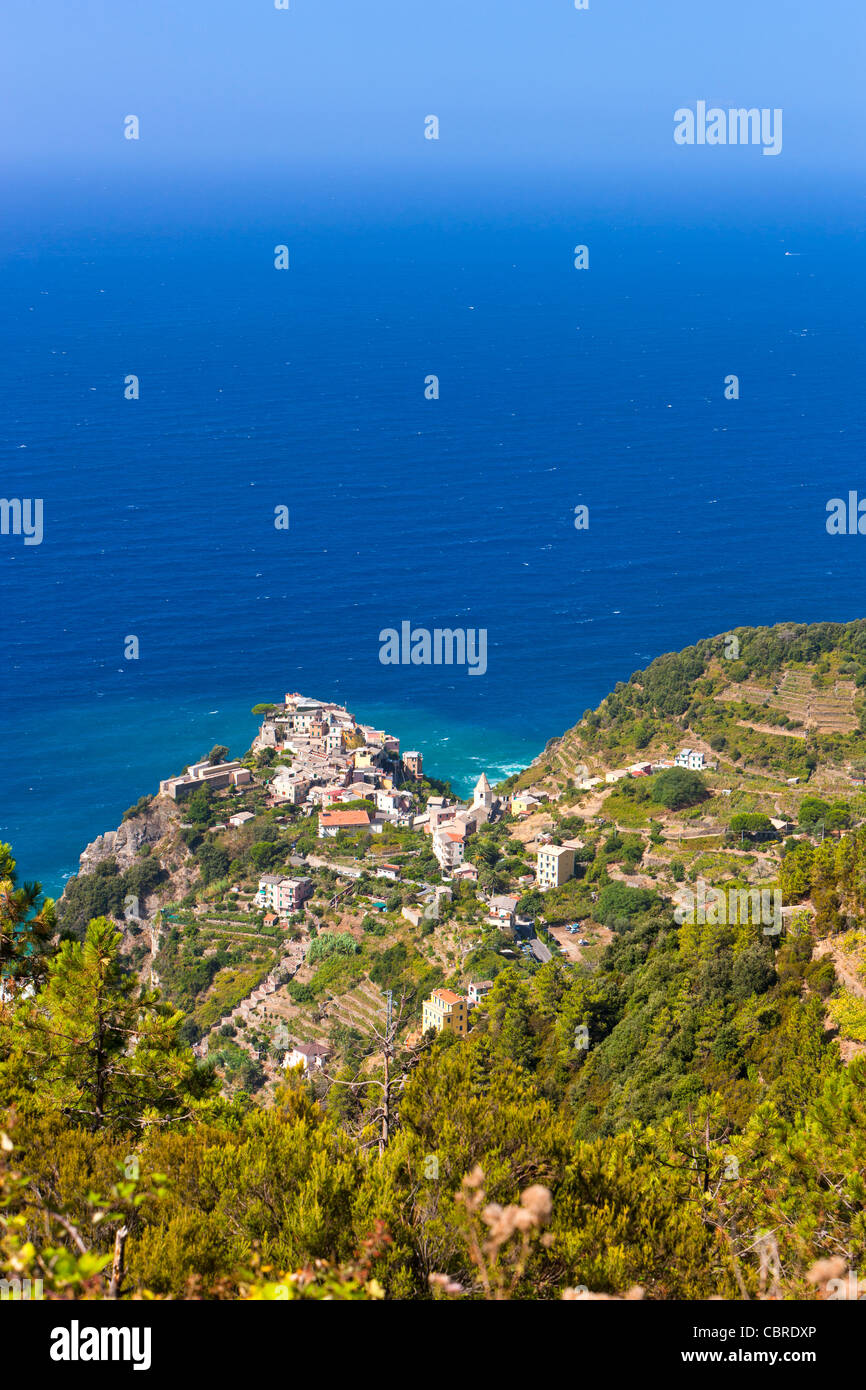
(295, 900)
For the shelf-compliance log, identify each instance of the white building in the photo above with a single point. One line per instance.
(289, 786)
(478, 989)
(689, 757)
(391, 871)
(449, 847)
(502, 909)
(310, 1056)
(395, 805)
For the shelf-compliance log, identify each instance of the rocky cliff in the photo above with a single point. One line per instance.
(160, 818)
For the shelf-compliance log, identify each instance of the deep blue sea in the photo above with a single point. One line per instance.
(305, 388)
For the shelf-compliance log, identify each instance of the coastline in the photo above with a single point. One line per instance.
(135, 764)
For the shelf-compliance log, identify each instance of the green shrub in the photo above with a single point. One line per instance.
(677, 787)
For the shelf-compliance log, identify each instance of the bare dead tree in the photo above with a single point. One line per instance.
(396, 1061)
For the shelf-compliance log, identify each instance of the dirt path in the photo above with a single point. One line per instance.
(848, 977)
(771, 729)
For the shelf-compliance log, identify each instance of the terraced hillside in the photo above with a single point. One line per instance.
(785, 700)
(826, 711)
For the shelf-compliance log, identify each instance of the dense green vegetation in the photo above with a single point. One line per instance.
(673, 1102)
(104, 892)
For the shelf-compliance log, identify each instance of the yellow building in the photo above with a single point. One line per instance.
(445, 1009)
(555, 866)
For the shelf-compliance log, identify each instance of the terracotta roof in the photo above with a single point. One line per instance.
(344, 818)
(447, 996)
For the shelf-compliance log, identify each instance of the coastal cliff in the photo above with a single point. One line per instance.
(123, 844)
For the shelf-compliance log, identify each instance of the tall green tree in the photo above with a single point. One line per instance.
(95, 1045)
(27, 926)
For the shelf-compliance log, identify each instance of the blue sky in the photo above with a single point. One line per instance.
(235, 87)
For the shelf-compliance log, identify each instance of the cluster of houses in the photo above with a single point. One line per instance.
(555, 863)
(687, 757)
(335, 760)
(450, 825)
(393, 807)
